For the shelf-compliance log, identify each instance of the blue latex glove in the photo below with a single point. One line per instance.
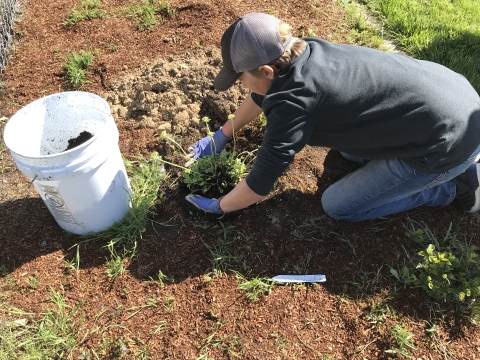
(209, 145)
(205, 204)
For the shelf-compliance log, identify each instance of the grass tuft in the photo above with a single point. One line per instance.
(90, 9)
(146, 13)
(76, 68)
(145, 176)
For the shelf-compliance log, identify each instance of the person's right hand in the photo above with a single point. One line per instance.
(209, 145)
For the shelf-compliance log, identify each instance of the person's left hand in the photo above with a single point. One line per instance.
(205, 204)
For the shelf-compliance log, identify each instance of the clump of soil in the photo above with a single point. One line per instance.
(79, 140)
(174, 94)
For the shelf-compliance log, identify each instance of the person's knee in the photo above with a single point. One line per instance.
(331, 206)
(328, 205)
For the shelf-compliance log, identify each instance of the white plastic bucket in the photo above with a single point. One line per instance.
(85, 188)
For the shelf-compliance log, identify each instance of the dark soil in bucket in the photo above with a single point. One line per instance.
(79, 140)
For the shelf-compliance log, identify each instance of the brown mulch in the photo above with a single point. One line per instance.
(199, 313)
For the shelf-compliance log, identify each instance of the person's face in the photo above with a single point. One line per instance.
(258, 84)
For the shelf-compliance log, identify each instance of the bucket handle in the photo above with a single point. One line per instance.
(31, 182)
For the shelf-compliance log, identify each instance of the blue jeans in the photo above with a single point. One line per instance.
(384, 187)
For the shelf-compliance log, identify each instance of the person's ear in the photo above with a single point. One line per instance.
(268, 71)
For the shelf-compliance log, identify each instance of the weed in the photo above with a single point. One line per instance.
(213, 175)
(377, 313)
(150, 303)
(169, 300)
(76, 68)
(10, 281)
(207, 279)
(444, 275)
(281, 341)
(254, 288)
(165, 136)
(221, 257)
(231, 345)
(216, 174)
(160, 328)
(302, 266)
(446, 269)
(402, 338)
(230, 249)
(436, 340)
(33, 282)
(52, 337)
(162, 278)
(364, 282)
(73, 264)
(145, 176)
(166, 9)
(113, 47)
(315, 10)
(146, 13)
(313, 229)
(115, 266)
(347, 242)
(90, 9)
(309, 322)
(402, 275)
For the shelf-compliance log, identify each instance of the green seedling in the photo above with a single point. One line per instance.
(231, 345)
(73, 264)
(115, 266)
(160, 328)
(146, 13)
(402, 275)
(150, 303)
(90, 9)
(377, 314)
(254, 288)
(33, 282)
(76, 68)
(281, 341)
(166, 9)
(403, 340)
(162, 279)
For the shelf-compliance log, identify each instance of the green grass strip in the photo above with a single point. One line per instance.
(443, 31)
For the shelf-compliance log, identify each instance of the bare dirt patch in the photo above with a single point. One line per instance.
(162, 80)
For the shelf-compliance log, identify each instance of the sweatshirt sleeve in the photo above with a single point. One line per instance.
(288, 129)
(258, 99)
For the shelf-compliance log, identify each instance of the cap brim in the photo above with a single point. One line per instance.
(225, 79)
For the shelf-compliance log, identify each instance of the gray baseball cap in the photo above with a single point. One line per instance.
(251, 41)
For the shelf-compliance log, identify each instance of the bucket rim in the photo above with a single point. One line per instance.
(65, 152)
